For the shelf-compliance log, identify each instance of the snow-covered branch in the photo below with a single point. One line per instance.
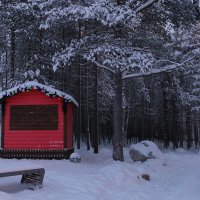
(168, 68)
(103, 66)
(145, 5)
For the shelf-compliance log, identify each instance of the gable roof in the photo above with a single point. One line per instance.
(49, 91)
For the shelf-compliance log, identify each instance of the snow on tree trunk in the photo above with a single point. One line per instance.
(117, 119)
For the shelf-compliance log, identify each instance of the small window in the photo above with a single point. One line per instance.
(34, 117)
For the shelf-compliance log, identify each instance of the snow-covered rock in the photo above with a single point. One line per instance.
(144, 150)
(75, 157)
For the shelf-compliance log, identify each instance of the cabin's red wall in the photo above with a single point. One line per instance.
(37, 139)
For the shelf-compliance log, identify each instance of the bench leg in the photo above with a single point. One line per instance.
(33, 179)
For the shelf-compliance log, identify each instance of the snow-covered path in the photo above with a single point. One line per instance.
(98, 177)
(180, 178)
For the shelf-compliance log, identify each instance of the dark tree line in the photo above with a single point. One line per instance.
(133, 66)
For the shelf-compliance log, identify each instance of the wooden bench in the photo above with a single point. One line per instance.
(31, 177)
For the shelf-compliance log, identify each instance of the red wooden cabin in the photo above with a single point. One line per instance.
(37, 122)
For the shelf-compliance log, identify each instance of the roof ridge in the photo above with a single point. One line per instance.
(48, 90)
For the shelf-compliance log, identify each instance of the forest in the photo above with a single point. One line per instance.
(132, 65)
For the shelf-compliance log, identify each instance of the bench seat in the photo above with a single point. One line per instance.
(30, 176)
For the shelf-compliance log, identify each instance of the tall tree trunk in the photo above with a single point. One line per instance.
(87, 111)
(7, 70)
(78, 135)
(40, 47)
(80, 98)
(195, 130)
(181, 131)
(175, 128)
(12, 53)
(63, 66)
(117, 110)
(117, 119)
(142, 119)
(165, 122)
(96, 130)
(188, 128)
(127, 119)
(63, 78)
(69, 79)
(197, 7)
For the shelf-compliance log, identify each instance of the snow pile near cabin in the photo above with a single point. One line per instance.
(145, 150)
(49, 91)
(75, 157)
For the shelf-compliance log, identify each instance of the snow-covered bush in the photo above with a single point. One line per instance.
(75, 157)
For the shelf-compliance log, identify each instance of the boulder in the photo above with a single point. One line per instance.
(75, 157)
(137, 155)
(144, 150)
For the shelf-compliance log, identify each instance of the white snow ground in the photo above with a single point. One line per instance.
(98, 177)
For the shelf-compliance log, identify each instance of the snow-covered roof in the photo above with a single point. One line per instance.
(49, 91)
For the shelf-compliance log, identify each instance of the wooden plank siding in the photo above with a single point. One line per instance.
(36, 139)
